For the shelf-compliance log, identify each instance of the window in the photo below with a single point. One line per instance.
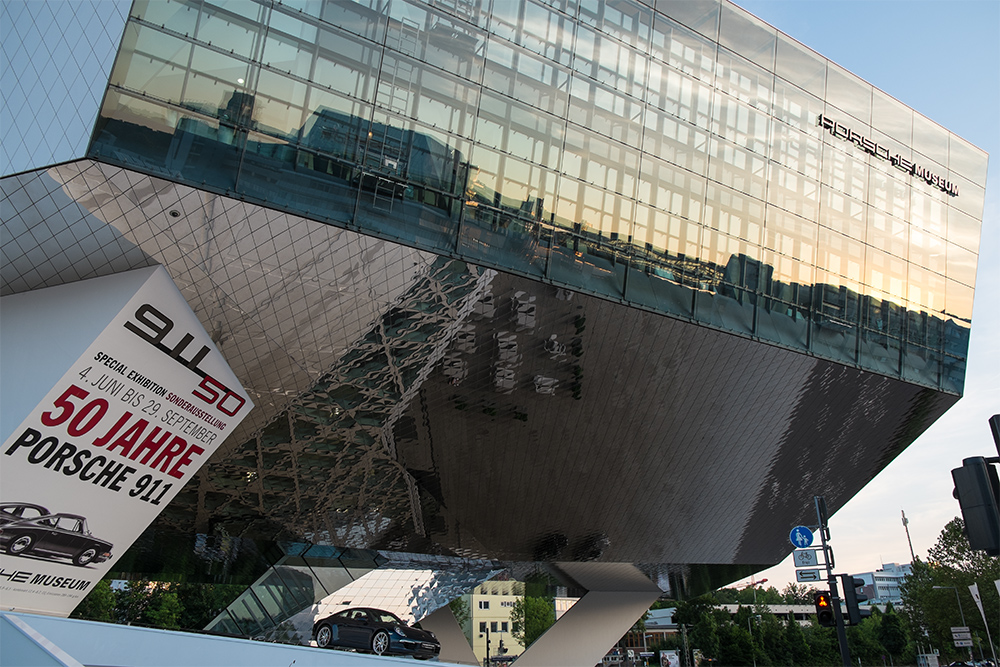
(493, 626)
(503, 626)
(484, 604)
(482, 626)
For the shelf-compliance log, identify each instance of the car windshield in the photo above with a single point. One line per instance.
(69, 523)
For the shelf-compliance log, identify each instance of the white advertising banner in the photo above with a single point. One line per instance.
(127, 423)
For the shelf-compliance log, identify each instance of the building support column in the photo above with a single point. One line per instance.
(455, 647)
(618, 595)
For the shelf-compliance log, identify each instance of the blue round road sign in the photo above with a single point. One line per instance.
(801, 537)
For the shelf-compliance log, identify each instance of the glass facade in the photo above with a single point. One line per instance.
(312, 581)
(684, 158)
(53, 51)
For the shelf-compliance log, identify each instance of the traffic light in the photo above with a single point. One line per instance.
(852, 598)
(977, 490)
(824, 609)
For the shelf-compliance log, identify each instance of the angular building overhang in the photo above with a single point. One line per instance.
(415, 402)
(513, 303)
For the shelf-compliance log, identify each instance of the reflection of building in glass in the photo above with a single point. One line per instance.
(588, 284)
(394, 167)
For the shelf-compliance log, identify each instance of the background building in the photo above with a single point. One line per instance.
(490, 605)
(496, 274)
(882, 585)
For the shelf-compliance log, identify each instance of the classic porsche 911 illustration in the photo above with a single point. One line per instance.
(23, 531)
(375, 630)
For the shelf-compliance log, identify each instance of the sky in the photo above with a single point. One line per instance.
(942, 59)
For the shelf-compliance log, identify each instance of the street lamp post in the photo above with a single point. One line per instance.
(960, 612)
(487, 660)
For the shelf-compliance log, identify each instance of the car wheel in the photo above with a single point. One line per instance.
(380, 642)
(324, 636)
(85, 556)
(21, 544)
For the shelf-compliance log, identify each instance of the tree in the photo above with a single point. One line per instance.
(690, 611)
(99, 605)
(767, 596)
(892, 634)
(460, 610)
(773, 639)
(795, 639)
(725, 596)
(735, 645)
(929, 593)
(165, 609)
(201, 603)
(863, 643)
(705, 635)
(132, 600)
(952, 552)
(797, 594)
(190, 606)
(823, 646)
(530, 617)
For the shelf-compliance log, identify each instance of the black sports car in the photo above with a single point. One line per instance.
(50, 535)
(374, 630)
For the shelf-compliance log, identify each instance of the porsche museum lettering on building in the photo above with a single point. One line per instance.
(871, 147)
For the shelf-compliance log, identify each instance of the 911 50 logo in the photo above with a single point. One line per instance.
(153, 326)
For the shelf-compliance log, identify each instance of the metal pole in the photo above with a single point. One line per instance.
(906, 526)
(962, 616)
(961, 613)
(845, 653)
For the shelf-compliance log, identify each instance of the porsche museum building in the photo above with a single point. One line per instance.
(605, 290)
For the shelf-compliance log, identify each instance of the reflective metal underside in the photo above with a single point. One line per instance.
(413, 402)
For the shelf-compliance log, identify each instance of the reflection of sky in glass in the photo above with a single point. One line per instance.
(56, 59)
